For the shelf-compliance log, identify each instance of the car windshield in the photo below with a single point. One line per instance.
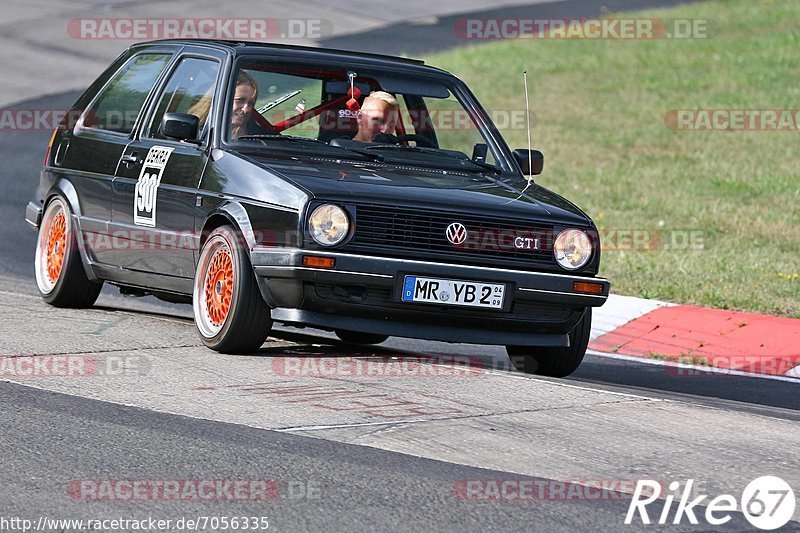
(387, 116)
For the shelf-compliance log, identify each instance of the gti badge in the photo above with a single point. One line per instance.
(456, 233)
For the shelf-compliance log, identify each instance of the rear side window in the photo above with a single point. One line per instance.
(190, 90)
(118, 105)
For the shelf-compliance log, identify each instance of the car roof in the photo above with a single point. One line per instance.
(243, 48)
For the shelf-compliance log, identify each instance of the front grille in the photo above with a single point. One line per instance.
(408, 232)
(354, 293)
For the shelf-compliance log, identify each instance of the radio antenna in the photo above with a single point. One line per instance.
(529, 177)
(528, 119)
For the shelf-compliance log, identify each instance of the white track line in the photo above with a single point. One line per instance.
(707, 369)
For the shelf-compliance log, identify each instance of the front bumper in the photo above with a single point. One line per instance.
(362, 293)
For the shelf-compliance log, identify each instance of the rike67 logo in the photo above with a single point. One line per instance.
(767, 502)
(146, 192)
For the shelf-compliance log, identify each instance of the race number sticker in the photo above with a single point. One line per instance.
(146, 192)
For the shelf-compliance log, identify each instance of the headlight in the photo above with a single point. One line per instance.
(572, 249)
(329, 224)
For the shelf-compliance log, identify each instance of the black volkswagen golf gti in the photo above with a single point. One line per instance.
(363, 194)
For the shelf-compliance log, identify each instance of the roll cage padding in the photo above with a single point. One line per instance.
(316, 110)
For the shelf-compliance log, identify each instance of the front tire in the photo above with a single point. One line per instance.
(60, 276)
(229, 312)
(554, 361)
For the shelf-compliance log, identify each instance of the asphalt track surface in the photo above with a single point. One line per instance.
(354, 488)
(409, 493)
(51, 437)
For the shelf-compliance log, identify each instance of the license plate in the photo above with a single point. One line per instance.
(453, 292)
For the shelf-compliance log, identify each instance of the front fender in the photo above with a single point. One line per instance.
(234, 213)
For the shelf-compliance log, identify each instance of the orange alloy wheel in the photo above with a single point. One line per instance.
(56, 246)
(219, 286)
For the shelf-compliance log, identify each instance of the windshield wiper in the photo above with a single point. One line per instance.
(422, 149)
(276, 137)
(491, 168)
(406, 148)
(266, 107)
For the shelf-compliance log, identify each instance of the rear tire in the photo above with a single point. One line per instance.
(554, 361)
(229, 312)
(60, 276)
(354, 337)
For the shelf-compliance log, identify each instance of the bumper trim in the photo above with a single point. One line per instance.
(312, 269)
(543, 291)
(404, 262)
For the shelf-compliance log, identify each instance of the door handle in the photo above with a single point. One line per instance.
(130, 159)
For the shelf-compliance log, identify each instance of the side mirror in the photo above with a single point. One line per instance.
(533, 165)
(180, 126)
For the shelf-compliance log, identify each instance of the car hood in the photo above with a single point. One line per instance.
(395, 184)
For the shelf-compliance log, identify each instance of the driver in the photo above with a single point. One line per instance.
(244, 100)
(244, 118)
(378, 114)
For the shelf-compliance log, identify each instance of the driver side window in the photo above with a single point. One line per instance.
(189, 90)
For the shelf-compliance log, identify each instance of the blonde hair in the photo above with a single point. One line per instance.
(383, 96)
(246, 79)
(363, 133)
(201, 108)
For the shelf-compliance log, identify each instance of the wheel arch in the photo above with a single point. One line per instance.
(66, 190)
(229, 213)
(234, 214)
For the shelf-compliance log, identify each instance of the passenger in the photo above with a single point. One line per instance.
(379, 113)
(201, 109)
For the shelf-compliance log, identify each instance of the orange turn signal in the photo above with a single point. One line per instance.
(49, 147)
(318, 262)
(588, 288)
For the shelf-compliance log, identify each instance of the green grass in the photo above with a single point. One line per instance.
(686, 359)
(600, 108)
